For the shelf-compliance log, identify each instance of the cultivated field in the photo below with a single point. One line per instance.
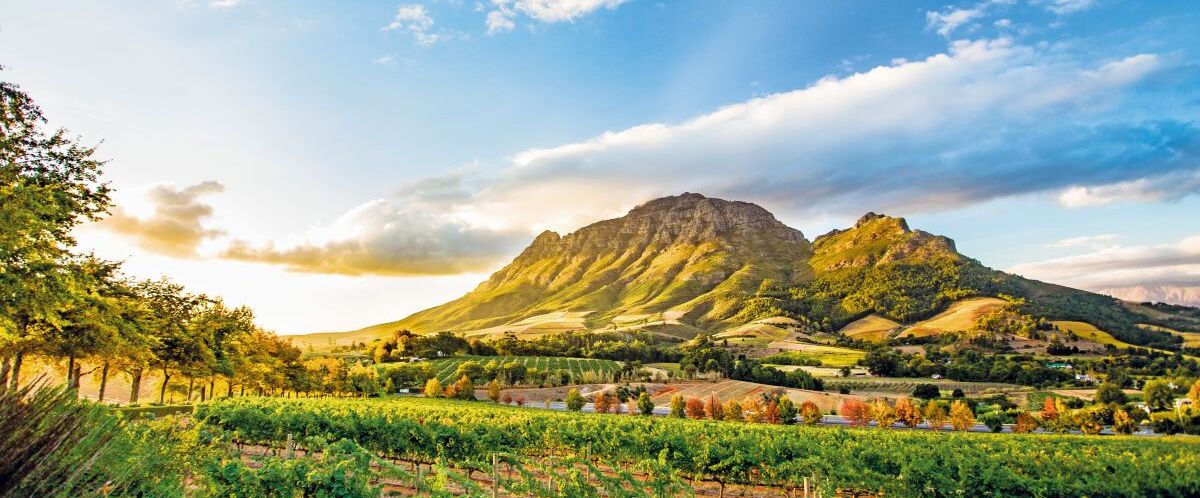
(829, 356)
(727, 390)
(872, 328)
(535, 326)
(899, 386)
(1190, 339)
(446, 367)
(960, 316)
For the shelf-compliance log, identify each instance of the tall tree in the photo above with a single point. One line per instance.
(48, 185)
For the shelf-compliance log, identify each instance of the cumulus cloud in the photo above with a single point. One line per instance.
(414, 19)
(501, 19)
(1064, 7)
(987, 119)
(383, 238)
(176, 225)
(1172, 265)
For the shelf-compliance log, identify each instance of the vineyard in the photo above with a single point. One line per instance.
(445, 368)
(466, 435)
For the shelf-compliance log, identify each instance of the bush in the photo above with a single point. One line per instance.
(1109, 393)
(1165, 423)
(926, 391)
(994, 420)
(574, 400)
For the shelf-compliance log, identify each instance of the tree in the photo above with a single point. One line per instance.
(49, 184)
(574, 400)
(1158, 395)
(961, 417)
(644, 404)
(1194, 393)
(1049, 411)
(787, 410)
(957, 393)
(994, 420)
(1026, 423)
(908, 413)
(713, 408)
(433, 388)
(494, 391)
(506, 398)
(926, 391)
(883, 413)
(694, 408)
(603, 402)
(733, 411)
(935, 414)
(857, 412)
(1108, 393)
(678, 406)
(464, 389)
(1123, 423)
(810, 413)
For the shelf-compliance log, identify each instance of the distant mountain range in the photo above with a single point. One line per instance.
(693, 263)
(1174, 294)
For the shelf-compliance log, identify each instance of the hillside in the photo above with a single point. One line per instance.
(682, 265)
(691, 255)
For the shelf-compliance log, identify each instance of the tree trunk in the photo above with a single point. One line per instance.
(230, 393)
(103, 382)
(71, 371)
(16, 370)
(191, 386)
(135, 386)
(212, 388)
(5, 366)
(75, 377)
(162, 393)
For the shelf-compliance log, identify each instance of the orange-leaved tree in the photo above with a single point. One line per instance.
(908, 413)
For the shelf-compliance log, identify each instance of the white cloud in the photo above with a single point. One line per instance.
(1092, 241)
(497, 22)
(1176, 264)
(547, 11)
(1064, 7)
(223, 4)
(385, 60)
(414, 19)
(1170, 186)
(950, 19)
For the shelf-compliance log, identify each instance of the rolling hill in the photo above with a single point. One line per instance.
(688, 264)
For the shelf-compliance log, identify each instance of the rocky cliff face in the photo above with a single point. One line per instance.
(691, 254)
(877, 239)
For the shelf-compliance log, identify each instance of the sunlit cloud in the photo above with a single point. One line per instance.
(502, 18)
(175, 227)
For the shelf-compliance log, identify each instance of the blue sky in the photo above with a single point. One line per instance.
(335, 164)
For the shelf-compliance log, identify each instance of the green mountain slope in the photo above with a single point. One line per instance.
(689, 256)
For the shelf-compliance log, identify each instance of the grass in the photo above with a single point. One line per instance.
(445, 368)
(872, 328)
(960, 316)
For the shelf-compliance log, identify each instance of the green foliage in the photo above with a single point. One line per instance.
(574, 400)
(1108, 392)
(645, 405)
(926, 391)
(1158, 395)
(899, 463)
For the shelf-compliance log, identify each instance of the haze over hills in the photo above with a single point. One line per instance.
(689, 263)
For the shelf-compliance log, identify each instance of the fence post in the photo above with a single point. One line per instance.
(495, 477)
(805, 487)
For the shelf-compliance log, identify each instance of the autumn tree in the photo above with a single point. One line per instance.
(603, 402)
(645, 405)
(494, 391)
(787, 410)
(433, 388)
(883, 413)
(506, 398)
(961, 417)
(1026, 423)
(712, 407)
(1049, 411)
(935, 414)
(855, 411)
(1123, 423)
(810, 413)
(733, 411)
(908, 413)
(694, 408)
(1194, 393)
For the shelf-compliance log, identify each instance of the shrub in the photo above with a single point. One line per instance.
(907, 412)
(494, 391)
(809, 413)
(677, 406)
(433, 388)
(694, 408)
(926, 391)
(733, 411)
(574, 400)
(1025, 423)
(713, 408)
(1123, 423)
(994, 420)
(961, 417)
(787, 410)
(645, 404)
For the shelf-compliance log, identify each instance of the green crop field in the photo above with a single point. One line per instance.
(445, 368)
(894, 462)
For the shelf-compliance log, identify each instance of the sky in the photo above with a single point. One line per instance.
(339, 164)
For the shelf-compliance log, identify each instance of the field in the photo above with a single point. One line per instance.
(829, 356)
(872, 328)
(446, 367)
(960, 316)
(1190, 339)
(535, 326)
(893, 462)
(761, 331)
(728, 390)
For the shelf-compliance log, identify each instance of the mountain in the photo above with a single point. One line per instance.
(1173, 294)
(689, 263)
